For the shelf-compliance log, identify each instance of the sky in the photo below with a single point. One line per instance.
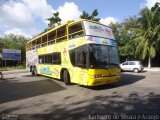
(28, 17)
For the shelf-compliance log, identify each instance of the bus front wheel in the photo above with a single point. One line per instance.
(66, 77)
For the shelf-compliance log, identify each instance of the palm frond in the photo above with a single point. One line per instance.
(140, 46)
(152, 52)
(145, 50)
(137, 30)
(148, 16)
(156, 30)
(138, 39)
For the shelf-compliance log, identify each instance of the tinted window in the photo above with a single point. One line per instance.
(81, 58)
(113, 55)
(72, 55)
(125, 63)
(48, 59)
(41, 59)
(56, 58)
(131, 63)
(98, 55)
(78, 56)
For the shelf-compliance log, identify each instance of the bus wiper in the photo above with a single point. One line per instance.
(114, 64)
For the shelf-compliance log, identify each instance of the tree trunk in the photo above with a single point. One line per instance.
(149, 62)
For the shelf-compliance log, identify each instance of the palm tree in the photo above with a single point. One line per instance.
(55, 19)
(146, 38)
(94, 14)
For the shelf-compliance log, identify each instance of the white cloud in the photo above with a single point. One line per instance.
(69, 11)
(27, 17)
(108, 20)
(24, 16)
(17, 31)
(39, 8)
(149, 3)
(15, 14)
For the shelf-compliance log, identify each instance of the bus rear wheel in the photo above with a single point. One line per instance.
(66, 77)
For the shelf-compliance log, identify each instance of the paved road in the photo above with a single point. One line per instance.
(41, 98)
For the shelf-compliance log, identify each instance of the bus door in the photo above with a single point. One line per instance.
(80, 71)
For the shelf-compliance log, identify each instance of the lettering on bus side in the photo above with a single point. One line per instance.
(96, 28)
(45, 70)
(101, 30)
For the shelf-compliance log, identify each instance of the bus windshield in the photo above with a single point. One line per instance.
(102, 56)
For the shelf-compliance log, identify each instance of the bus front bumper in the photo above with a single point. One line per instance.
(103, 80)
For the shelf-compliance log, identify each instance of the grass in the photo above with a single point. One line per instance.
(12, 68)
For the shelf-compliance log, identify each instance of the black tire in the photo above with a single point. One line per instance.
(66, 77)
(136, 70)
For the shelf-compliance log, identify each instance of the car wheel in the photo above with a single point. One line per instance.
(136, 70)
(66, 77)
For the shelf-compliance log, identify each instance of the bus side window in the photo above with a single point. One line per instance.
(42, 59)
(51, 37)
(81, 58)
(75, 31)
(72, 54)
(61, 34)
(48, 58)
(56, 58)
(44, 40)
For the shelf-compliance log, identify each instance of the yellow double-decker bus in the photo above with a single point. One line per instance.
(82, 52)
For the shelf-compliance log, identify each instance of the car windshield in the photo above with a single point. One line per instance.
(102, 56)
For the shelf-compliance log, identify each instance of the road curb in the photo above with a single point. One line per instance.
(152, 69)
(14, 71)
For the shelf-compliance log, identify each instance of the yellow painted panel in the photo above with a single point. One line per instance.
(103, 76)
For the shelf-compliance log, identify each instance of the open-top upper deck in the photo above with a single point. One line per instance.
(70, 30)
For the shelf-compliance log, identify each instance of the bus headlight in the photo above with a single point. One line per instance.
(97, 75)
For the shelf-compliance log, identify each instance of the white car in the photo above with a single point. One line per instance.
(134, 66)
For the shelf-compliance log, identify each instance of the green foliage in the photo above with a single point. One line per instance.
(54, 20)
(127, 51)
(138, 37)
(94, 14)
(12, 41)
(157, 16)
(124, 38)
(131, 22)
(147, 35)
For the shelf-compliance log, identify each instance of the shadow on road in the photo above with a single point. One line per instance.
(126, 79)
(134, 103)
(10, 90)
(82, 109)
(29, 75)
